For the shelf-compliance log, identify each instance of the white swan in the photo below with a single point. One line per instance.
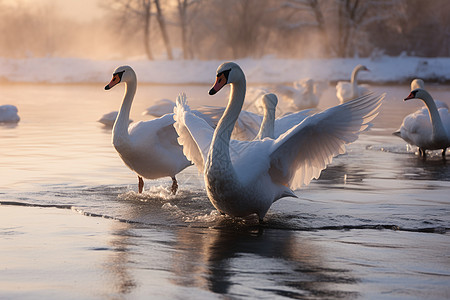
(148, 148)
(109, 119)
(160, 108)
(303, 94)
(417, 129)
(9, 114)
(346, 91)
(246, 177)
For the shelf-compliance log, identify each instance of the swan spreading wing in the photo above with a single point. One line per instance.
(295, 157)
(195, 134)
(300, 154)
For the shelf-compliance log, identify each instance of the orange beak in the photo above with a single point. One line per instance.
(221, 80)
(115, 80)
(410, 96)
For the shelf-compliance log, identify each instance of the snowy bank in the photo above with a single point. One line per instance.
(383, 69)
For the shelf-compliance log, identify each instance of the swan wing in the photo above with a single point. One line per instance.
(195, 135)
(301, 153)
(286, 122)
(160, 108)
(246, 127)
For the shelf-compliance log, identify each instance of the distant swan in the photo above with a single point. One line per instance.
(246, 177)
(109, 119)
(302, 94)
(148, 148)
(346, 91)
(160, 108)
(418, 130)
(9, 114)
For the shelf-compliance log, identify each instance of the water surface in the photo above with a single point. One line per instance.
(375, 225)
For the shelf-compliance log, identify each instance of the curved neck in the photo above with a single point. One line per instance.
(120, 128)
(438, 127)
(220, 146)
(354, 82)
(267, 125)
(354, 74)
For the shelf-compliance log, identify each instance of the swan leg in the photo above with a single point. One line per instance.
(140, 184)
(174, 185)
(422, 153)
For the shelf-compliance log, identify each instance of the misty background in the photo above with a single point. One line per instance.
(232, 29)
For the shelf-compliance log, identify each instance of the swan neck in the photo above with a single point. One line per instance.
(222, 134)
(267, 125)
(354, 74)
(120, 129)
(437, 126)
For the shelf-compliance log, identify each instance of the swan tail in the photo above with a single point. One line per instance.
(397, 133)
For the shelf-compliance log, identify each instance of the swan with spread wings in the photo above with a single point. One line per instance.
(246, 177)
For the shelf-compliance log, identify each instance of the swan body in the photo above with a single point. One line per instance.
(160, 108)
(148, 148)
(9, 114)
(427, 128)
(346, 91)
(246, 177)
(109, 119)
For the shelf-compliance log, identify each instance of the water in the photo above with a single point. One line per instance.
(375, 225)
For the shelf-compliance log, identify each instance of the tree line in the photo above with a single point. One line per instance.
(231, 29)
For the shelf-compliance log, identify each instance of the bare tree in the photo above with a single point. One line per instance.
(138, 12)
(162, 26)
(353, 19)
(184, 7)
(241, 26)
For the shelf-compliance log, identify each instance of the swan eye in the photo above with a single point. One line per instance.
(119, 74)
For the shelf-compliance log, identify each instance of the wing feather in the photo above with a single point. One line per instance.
(194, 133)
(300, 154)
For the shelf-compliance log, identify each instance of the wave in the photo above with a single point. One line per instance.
(213, 219)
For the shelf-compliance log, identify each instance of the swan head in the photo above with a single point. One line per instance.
(361, 68)
(121, 74)
(417, 84)
(270, 101)
(228, 72)
(418, 94)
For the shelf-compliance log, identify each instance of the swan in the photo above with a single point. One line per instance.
(160, 108)
(418, 130)
(148, 148)
(246, 177)
(303, 94)
(109, 118)
(9, 114)
(346, 91)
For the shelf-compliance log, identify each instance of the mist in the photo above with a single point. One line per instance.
(213, 29)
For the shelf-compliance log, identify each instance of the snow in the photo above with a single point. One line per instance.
(383, 69)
